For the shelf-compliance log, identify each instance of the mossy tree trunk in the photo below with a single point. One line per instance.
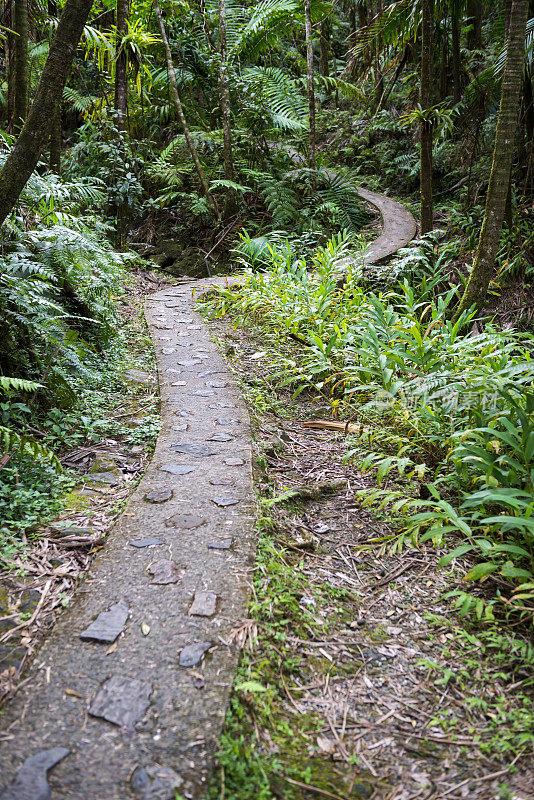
(56, 136)
(311, 87)
(181, 116)
(503, 153)
(325, 47)
(36, 131)
(20, 26)
(121, 65)
(455, 37)
(426, 127)
(474, 37)
(224, 95)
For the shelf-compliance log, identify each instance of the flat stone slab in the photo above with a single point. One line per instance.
(192, 654)
(150, 541)
(164, 572)
(221, 544)
(191, 449)
(121, 701)
(135, 744)
(155, 782)
(31, 780)
(186, 522)
(224, 502)
(221, 437)
(178, 469)
(108, 625)
(204, 604)
(159, 495)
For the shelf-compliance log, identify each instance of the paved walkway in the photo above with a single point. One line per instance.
(131, 704)
(398, 226)
(126, 698)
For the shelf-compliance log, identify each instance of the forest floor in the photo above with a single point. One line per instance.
(361, 682)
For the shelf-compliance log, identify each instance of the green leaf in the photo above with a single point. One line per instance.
(480, 571)
(251, 686)
(459, 551)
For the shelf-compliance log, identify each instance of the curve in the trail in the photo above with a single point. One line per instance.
(135, 677)
(398, 226)
(398, 223)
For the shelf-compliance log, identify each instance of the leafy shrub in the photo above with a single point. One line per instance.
(459, 406)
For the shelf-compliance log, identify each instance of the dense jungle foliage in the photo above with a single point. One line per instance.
(218, 137)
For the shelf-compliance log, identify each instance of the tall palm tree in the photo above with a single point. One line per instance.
(311, 87)
(503, 152)
(427, 63)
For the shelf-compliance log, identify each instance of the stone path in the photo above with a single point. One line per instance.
(126, 698)
(398, 226)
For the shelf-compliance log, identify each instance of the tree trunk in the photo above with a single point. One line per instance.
(34, 136)
(311, 88)
(426, 128)
(455, 36)
(121, 65)
(56, 137)
(353, 28)
(363, 14)
(10, 65)
(474, 37)
(503, 152)
(181, 115)
(224, 92)
(444, 64)
(325, 48)
(20, 25)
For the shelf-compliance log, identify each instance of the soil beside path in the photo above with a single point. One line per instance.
(140, 711)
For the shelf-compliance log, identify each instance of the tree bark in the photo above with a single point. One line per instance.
(20, 25)
(224, 94)
(474, 37)
(503, 152)
(56, 136)
(426, 128)
(181, 116)
(325, 47)
(121, 65)
(455, 36)
(34, 135)
(10, 65)
(311, 87)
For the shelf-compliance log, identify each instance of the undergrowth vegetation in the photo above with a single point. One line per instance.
(62, 351)
(442, 413)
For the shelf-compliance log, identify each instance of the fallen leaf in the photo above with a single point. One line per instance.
(72, 693)
(331, 424)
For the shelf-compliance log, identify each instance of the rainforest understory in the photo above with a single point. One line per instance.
(387, 651)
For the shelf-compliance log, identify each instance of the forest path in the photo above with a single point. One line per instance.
(135, 708)
(398, 226)
(140, 706)
(398, 223)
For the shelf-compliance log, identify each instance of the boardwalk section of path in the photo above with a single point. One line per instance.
(126, 698)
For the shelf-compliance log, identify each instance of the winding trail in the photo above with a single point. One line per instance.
(398, 226)
(127, 696)
(165, 684)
